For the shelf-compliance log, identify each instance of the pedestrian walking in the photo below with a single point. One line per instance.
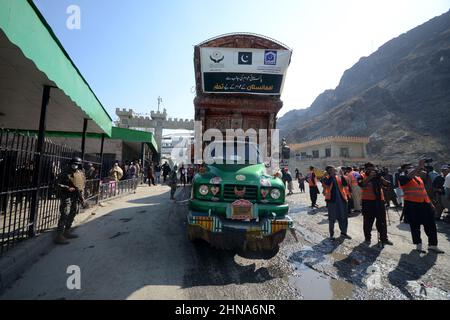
(284, 177)
(132, 175)
(418, 207)
(182, 172)
(290, 185)
(190, 174)
(166, 170)
(91, 175)
(353, 175)
(313, 189)
(158, 173)
(151, 175)
(173, 182)
(116, 172)
(441, 200)
(71, 183)
(336, 198)
(301, 182)
(138, 171)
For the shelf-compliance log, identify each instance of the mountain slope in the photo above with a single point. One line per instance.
(399, 96)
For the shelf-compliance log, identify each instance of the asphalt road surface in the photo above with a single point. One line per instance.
(136, 248)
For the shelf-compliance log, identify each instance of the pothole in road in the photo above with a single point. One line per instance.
(314, 285)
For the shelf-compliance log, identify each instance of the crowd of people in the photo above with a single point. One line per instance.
(153, 174)
(421, 193)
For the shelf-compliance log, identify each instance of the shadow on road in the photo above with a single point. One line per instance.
(354, 267)
(411, 267)
(317, 254)
(214, 267)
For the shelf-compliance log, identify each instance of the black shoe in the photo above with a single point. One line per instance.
(387, 242)
(332, 238)
(435, 249)
(367, 242)
(346, 236)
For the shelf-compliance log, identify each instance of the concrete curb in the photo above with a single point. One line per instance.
(16, 261)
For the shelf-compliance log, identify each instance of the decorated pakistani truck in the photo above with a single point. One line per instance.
(238, 198)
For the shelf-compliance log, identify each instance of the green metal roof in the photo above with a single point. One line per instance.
(26, 28)
(134, 136)
(122, 134)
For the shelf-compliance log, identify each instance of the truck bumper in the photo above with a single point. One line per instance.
(220, 208)
(221, 233)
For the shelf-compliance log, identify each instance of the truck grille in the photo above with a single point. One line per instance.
(251, 192)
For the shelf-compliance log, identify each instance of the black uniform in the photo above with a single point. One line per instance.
(374, 210)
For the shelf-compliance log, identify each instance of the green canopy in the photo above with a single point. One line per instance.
(31, 56)
(123, 134)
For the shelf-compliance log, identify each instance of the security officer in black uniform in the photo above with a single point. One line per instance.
(71, 184)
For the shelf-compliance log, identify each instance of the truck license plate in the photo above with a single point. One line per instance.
(241, 210)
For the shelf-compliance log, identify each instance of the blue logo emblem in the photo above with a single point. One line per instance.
(270, 57)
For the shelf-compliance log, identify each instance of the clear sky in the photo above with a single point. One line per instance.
(133, 51)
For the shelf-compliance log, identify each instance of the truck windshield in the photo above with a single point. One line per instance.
(233, 152)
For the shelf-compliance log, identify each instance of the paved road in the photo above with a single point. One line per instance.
(136, 248)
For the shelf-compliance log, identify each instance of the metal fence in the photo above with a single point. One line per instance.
(112, 189)
(28, 201)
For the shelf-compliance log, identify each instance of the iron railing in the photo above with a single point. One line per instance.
(28, 208)
(113, 189)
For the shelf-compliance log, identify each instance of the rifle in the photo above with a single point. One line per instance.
(81, 199)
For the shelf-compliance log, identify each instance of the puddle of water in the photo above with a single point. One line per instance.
(314, 285)
(300, 209)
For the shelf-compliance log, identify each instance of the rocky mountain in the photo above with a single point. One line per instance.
(399, 97)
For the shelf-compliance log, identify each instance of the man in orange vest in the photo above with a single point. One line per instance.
(418, 208)
(336, 198)
(313, 189)
(373, 207)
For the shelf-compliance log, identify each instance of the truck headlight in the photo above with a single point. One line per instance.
(203, 190)
(275, 194)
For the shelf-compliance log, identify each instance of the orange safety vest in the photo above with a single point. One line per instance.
(415, 191)
(312, 182)
(347, 188)
(327, 189)
(367, 192)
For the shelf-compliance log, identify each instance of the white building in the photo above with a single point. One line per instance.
(176, 144)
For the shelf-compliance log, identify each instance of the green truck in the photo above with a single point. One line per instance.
(238, 199)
